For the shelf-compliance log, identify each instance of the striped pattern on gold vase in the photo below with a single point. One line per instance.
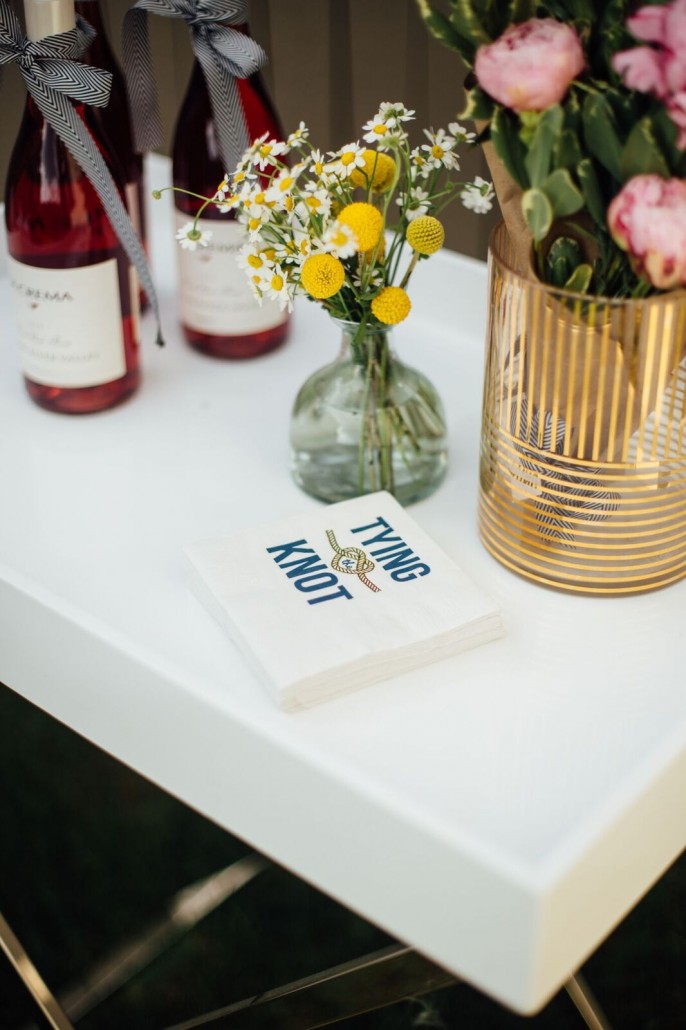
(583, 446)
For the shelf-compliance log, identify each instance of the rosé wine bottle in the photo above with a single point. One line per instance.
(75, 289)
(115, 119)
(219, 314)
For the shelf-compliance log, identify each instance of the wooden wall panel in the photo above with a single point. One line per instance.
(332, 62)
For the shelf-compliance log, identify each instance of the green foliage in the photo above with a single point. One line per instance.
(538, 212)
(508, 145)
(573, 158)
(540, 148)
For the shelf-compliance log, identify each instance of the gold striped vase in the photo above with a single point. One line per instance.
(583, 446)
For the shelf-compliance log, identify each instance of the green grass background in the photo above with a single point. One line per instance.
(90, 854)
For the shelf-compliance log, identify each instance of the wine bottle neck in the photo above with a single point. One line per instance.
(100, 52)
(48, 18)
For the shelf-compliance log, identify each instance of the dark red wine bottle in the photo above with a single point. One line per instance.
(115, 119)
(75, 289)
(219, 314)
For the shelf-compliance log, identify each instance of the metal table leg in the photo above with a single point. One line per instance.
(32, 979)
(396, 973)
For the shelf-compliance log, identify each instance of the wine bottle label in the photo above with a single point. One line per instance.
(215, 297)
(70, 323)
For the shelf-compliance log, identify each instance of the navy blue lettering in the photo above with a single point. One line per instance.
(341, 592)
(372, 525)
(410, 572)
(289, 549)
(300, 567)
(316, 582)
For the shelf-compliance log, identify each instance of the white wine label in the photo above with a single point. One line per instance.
(215, 297)
(70, 323)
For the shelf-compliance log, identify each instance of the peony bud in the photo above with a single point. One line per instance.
(531, 66)
(647, 219)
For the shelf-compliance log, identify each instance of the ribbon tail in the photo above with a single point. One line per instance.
(140, 82)
(62, 116)
(227, 110)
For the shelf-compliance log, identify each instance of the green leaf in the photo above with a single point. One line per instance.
(580, 279)
(440, 27)
(467, 24)
(592, 192)
(642, 155)
(479, 106)
(508, 146)
(600, 133)
(563, 257)
(565, 198)
(568, 152)
(522, 10)
(540, 149)
(538, 213)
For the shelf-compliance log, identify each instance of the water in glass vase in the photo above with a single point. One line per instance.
(368, 422)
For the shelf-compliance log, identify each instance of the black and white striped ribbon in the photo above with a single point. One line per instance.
(54, 78)
(223, 53)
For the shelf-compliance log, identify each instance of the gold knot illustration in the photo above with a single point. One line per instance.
(351, 560)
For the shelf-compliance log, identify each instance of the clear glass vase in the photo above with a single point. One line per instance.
(368, 422)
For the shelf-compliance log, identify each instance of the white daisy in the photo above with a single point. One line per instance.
(191, 237)
(439, 150)
(340, 240)
(478, 196)
(342, 162)
(277, 287)
(301, 133)
(417, 201)
(387, 124)
(461, 134)
(265, 150)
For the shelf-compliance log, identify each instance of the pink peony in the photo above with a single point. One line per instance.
(659, 69)
(531, 66)
(647, 219)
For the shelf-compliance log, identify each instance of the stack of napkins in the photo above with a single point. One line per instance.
(340, 598)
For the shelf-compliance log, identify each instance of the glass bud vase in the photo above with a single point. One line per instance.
(368, 422)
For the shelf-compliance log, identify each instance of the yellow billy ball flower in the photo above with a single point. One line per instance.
(391, 305)
(378, 172)
(365, 221)
(425, 234)
(322, 275)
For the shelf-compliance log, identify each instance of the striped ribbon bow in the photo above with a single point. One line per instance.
(224, 55)
(54, 78)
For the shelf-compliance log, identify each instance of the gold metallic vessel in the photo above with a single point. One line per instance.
(583, 449)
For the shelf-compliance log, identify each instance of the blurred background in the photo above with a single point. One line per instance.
(331, 64)
(90, 854)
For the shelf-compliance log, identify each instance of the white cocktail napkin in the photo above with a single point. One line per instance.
(339, 598)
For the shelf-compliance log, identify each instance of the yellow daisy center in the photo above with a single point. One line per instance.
(265, 149)
(277, 283)
(348, 158)
(254, 261)
(391, 305)
(314, 203)
(437, 152)
(365, 221)
(322, 275)
(380, 129)
(286, 183)
(270, 254)
(425, 234)
(254, 223)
